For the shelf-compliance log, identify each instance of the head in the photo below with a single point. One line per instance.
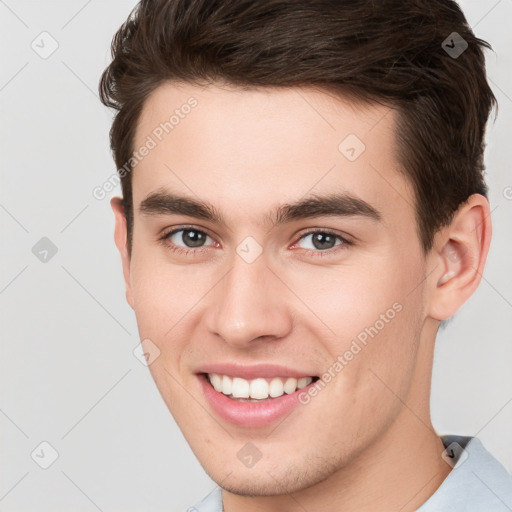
(328, 159)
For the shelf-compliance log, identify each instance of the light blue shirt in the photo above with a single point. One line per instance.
(477, 482)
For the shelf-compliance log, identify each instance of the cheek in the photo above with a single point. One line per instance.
(367, 320)
(162, 291)
(168, 301)
(160, 296)
(347, 299)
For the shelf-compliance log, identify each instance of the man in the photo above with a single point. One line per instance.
(303, 205)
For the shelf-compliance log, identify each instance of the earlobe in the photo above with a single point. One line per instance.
(460, 251)
(120, 238)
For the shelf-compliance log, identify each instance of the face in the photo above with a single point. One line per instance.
(282, 312)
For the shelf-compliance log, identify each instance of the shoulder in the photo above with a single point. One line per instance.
(212, 502)
(478, 481)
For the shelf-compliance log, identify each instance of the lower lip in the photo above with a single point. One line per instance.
(250, 414)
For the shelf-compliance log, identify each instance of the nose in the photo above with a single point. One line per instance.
(249, 304)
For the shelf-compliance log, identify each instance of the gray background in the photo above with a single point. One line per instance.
(68, 373)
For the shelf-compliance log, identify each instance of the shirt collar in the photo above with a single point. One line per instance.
(476, 482)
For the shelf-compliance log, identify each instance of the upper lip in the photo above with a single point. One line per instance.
(249, 372)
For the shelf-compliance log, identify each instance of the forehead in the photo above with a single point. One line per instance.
(246, 150)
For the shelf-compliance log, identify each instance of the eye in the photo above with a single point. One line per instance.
(185, 240)
(189, 240)
(322, 241)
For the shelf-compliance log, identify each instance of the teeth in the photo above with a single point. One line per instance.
(276, 387)
(303, 382)
(240, 388)
(259, 388)
(216, 381)
(290, 386)
(227, 385)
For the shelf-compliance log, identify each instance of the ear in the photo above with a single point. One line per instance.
(120, 237)
(458, 257)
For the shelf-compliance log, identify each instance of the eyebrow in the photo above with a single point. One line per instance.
(336, 204)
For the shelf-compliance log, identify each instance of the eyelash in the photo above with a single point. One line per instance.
(316, 253)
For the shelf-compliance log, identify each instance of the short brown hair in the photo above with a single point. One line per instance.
(386, 51)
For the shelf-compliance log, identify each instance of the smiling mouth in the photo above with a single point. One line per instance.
(256, 390)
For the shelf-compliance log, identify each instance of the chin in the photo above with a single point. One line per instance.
(271, 481)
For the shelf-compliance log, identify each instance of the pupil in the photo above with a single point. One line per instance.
(321, 239)
(194, 240)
